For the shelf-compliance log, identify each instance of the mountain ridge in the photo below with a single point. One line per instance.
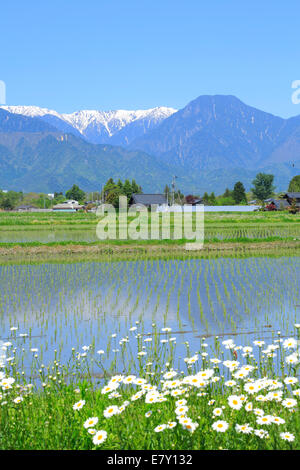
(96, 126)
(209, 144)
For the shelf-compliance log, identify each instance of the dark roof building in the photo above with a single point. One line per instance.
(193, 200)
(277, 204)
(149, 199)
(25, 207)
(292, 196)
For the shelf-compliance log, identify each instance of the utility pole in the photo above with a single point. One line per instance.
(173, 189)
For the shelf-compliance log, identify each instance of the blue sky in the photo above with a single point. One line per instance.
(136, 54)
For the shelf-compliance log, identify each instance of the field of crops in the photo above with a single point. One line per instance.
(55, 227)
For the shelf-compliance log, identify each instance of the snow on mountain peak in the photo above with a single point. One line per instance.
(113, 121)
(30, 111)
(108, 122)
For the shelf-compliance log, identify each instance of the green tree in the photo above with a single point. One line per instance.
(127, 189)
(293, 209)
(112, 190)
(205, 198)
(263, 186)
(58, 198)
(227, 193)
(136, 189)
(113, 197)
(212, 199)
(120, 185)
(225, 201)
(75, 193)
(294, 186)
(239, 194)
(9, 200)
(43, 202)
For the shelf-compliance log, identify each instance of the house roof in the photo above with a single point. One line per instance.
(25, 206)
(280, 203)
(148, 199)
(292, 195)
(66, 205)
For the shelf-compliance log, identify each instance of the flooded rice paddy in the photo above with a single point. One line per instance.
(98, 304)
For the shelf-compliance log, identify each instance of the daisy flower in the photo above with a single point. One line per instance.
(171, 424)
(235, 402)
(181, 410)
(92, 431)
(160, 428)
(243, 428)
(79, 405)
(191, 427)
(220, 426)
(261, 433)
(266, 419)
(111, 411)
(290, 343)
(99, 437)
(90, 422)
(217, 411)
(18, 399)
(277, 420)
(290, 380)
(287, 436)
(129, 379)
(289, 402)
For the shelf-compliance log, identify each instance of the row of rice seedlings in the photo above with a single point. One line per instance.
(209, 295)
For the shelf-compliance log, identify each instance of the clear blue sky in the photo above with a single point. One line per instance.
(130, 54)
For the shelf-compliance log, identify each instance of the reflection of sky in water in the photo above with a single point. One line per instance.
(71, 305)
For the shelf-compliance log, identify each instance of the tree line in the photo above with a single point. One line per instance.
(262, 189)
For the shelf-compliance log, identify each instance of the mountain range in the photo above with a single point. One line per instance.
(118, 127)
(210, 144)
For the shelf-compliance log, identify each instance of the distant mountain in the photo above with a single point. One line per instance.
(18, 123)
(215, 132)
(221, 132)
(100, 127)
(35, 156)
(209, 145)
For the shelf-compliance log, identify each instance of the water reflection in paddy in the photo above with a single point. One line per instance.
(71, 305)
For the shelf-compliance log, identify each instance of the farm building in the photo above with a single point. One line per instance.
(25, 208)
(193, 200)
(67, 207)
(149, 199)
(290, 197)
(277, 204)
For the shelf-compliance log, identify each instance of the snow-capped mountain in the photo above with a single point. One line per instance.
(118, 127)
